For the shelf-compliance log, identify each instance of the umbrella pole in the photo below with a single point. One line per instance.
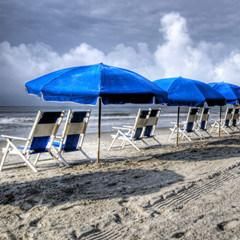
(99, 127)
(178, 116)
(220, 120)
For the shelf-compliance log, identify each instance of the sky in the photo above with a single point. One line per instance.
(167, 38)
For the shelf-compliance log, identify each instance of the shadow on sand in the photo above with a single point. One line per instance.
(216, 150)
(212, 150)
(94, 186)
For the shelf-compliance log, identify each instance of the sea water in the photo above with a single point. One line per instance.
(18, 121)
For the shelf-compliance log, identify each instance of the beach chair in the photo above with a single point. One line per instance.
(73, 133)
(151, 124)
(202, 122)
(235, 117)
(39, 140)
(225, 124)
(128, 134)
(186, 128)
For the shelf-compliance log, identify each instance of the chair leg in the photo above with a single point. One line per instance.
(58, 157)
(24, 158)
(85, 154)
(186, 136)
(123, 144)
(171, 134)
(131, 142)
(156, 140)
(225, 130)
(113, 141)
(209, 134)
(4, 156)
(36, 159)
(145, 142)
(63, 160)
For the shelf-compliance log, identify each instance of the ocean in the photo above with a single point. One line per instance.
(18, 121)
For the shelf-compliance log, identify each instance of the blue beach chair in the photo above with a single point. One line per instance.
(39, 140)
(187, 128)
(151, 124)
(202, 122)
(131, 134)
(225, 124)
(235, 117)
(73, 133)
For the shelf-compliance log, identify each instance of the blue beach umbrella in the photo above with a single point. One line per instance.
(230, 92)
(188, 92)
(94, 84)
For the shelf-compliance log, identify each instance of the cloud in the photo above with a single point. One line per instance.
(176, 55)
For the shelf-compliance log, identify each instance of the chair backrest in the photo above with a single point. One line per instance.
(43, 131)
(235, 116)
(228, 117)
(191, 119)
(140, 124)
(74, 130)
(203, 120)
(151, 122)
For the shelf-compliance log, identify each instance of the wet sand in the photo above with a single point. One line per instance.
(162, 192)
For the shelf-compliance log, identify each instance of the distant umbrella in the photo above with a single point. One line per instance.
(230, 92)
(94, 84)
(188, 92)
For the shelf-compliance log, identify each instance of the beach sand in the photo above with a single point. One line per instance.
(162, 192)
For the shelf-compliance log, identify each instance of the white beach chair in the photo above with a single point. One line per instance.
(225, 124)
(202, 122)
(235, 118)
(39, 140)
(151, 124)
(128, 134)
(187, 128)
(73, 133)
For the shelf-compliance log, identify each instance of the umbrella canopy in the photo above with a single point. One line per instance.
(230, 92)
(188, 92)
(86, 84)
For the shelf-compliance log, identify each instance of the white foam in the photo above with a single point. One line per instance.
(16, 120)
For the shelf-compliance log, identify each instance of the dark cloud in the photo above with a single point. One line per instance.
(105, 24)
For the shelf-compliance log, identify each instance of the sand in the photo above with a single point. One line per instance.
(162, 192)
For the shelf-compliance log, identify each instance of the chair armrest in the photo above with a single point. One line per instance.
(14, 138)
(58, 137)
(175, 123)
(127, 126)
(121, 128)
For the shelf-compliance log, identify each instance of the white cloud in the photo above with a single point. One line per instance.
(176, 55)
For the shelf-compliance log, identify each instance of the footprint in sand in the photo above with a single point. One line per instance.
(178, 235)
(34, 222)
(198, 218)
(228, 225)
